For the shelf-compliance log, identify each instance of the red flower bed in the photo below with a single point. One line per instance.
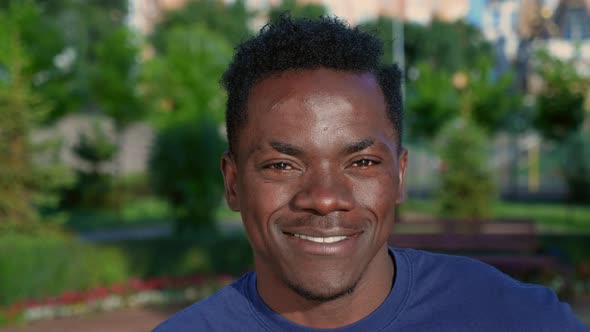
(132, 286)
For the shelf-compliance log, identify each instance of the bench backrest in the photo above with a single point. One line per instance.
(466, 241)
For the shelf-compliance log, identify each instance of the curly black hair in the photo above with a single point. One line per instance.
(303, 44)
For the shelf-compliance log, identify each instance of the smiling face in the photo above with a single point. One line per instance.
(316, 175)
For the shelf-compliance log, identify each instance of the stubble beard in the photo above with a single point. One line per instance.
(313, 296)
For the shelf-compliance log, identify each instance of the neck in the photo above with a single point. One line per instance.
(371, 291)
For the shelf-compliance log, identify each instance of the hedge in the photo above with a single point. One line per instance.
(41, 266)
(33, 267)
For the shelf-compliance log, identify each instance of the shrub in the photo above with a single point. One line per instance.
(35, 266)
(182, 256)
(184, 168)
(94, 188)
(466, 186)
(29, 174)
(576, 166)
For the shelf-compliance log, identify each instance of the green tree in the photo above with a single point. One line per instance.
(231, 21)
(576, 165)
(94, 188)
(493, 101)
(435, 54)
(466, 188)
(431, 102)
(308, 10)
(560, 105)
(115, 74)
(559, 115)
(184, 169)
(447, 46)
(383, 27)
(183, 81)
(181, 85)
(60, 38)
(28, 178)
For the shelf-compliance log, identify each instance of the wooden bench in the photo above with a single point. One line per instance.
(510, 246)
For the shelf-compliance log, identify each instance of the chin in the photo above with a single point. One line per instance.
(322, 296)
(317, 291)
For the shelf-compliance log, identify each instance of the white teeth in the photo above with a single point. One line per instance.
(330, 239)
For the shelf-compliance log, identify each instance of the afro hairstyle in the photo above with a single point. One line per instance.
(305, 44)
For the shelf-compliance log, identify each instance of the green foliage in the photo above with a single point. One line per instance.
(559, 113)
(446, 46)
(94, 188)
(182, 256)
(184, 167)
(230, 21)
(182, 82)
(35, 267)
(114, 76)
(492, 101)
(552, 218)
(383, 27)
(95, 147)
(188, 105)
(62, 39)
(467, 188)
(136, 212)
(41, 40)
(576, 165)
(431, 102)
(434, 55)
(560, 105)
(25, 183)
(450, 46)
(308, 10)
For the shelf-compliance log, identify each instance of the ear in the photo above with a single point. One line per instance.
(401, 167)
(230, 181)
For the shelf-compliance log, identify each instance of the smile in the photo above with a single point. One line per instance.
(329, 239)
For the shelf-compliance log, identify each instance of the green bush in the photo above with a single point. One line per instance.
(182, 256)
(467, 188)
(39, 266)
(94, 188)
(36, 267)
(184, 168)
(576, 166)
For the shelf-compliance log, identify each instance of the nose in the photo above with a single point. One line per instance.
(323, 193)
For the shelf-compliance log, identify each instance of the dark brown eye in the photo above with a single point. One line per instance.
(364, 163)
(280, 166)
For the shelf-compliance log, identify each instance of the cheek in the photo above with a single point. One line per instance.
(261, 200)
(377, 195)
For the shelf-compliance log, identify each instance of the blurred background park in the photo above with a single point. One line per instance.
(111, 128)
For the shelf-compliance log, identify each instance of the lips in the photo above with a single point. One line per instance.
(323, 242)
(328, 239)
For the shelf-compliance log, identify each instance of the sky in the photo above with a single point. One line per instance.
(476, 8)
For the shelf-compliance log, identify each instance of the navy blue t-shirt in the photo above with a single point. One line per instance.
(431, 292)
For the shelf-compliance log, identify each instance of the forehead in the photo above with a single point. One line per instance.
(304, 83)
(303, 103)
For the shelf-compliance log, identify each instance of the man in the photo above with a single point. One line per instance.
(316, 168)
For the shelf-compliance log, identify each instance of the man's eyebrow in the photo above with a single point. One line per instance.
(359, 145)
(286, 148)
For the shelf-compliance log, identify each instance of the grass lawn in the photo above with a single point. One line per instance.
(549, 217)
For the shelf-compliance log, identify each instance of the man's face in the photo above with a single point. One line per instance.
(316, 176)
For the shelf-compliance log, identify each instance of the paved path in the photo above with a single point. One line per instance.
(127, 320)
(126, 233)
(147, 232)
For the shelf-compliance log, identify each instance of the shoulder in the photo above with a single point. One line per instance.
(210, 314)
(476, 293)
